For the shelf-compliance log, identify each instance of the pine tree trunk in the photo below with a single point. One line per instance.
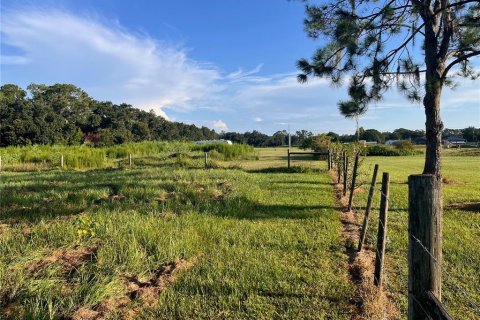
(358, 129)
(433, 91)
(434, 127)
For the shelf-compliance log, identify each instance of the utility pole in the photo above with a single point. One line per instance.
(289, 139)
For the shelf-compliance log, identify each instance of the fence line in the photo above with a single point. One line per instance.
(428, 302)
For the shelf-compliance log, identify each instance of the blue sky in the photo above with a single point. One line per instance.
(226, 64)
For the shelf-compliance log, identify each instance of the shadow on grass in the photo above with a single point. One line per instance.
(286, 170)
(245, 209)
(43, 196)
(36, 214)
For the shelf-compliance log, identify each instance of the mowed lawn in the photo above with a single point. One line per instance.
(461, 225)
(255, 242)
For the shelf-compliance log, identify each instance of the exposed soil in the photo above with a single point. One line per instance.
(226, 186)
(447, 180)
(368, 302)
(68, 258)
(163, 198)
(143, 293)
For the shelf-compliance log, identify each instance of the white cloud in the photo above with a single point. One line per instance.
(219, 125)
(244, 75)
(11, 59)
(112, 63)
(106, 60)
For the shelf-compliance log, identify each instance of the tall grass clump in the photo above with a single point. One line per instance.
(228, 152)
(86, 158)
(75, 157)
(90, 157)
(145, 148)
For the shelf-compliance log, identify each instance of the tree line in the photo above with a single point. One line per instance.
(65, 114)
(305, 139)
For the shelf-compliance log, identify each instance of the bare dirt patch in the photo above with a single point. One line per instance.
(447, 180)
(68, 258)
(143, 292)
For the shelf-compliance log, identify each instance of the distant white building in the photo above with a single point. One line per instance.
(213, 141)
(367, 143)
(453, 141)
(392, 142)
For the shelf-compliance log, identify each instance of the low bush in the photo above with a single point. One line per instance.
(390, 151)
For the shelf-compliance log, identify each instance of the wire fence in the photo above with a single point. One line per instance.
(396, 279)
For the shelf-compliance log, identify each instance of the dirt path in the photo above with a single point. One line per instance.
(368, 301)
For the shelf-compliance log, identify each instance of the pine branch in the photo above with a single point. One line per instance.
(457, 61)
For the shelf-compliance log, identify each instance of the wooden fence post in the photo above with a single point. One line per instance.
(0, 163)
(288, 158)
(61, 161)
(329, 159)
(332, 162)
(382, 231)
(206, 160)
(345, 174)
(339, 170)
(424, 242)
(354, 178)
(130, 160)
(363, 233)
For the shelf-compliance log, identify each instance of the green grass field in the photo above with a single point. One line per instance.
(264, 243)
(256, 241)
(461, 249)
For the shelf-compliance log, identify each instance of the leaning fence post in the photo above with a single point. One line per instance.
(424, 241)
(345, 173)
(130, 159)
(367, 210)
(61, 161)
(382, 231)
(289, 158)
(354, 177)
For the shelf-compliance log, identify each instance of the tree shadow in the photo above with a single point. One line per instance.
(246, 209)
(43, 196)
(286, 170)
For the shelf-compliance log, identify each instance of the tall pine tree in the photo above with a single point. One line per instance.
(417, 45)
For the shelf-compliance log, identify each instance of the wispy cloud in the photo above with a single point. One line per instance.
(11, 59)
(113, 63)
(109, 61)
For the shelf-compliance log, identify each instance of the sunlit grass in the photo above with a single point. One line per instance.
(266, 243)
(461, 251)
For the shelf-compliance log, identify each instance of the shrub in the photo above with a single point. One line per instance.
(405, 146)
(321, 143)
(389, 151)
